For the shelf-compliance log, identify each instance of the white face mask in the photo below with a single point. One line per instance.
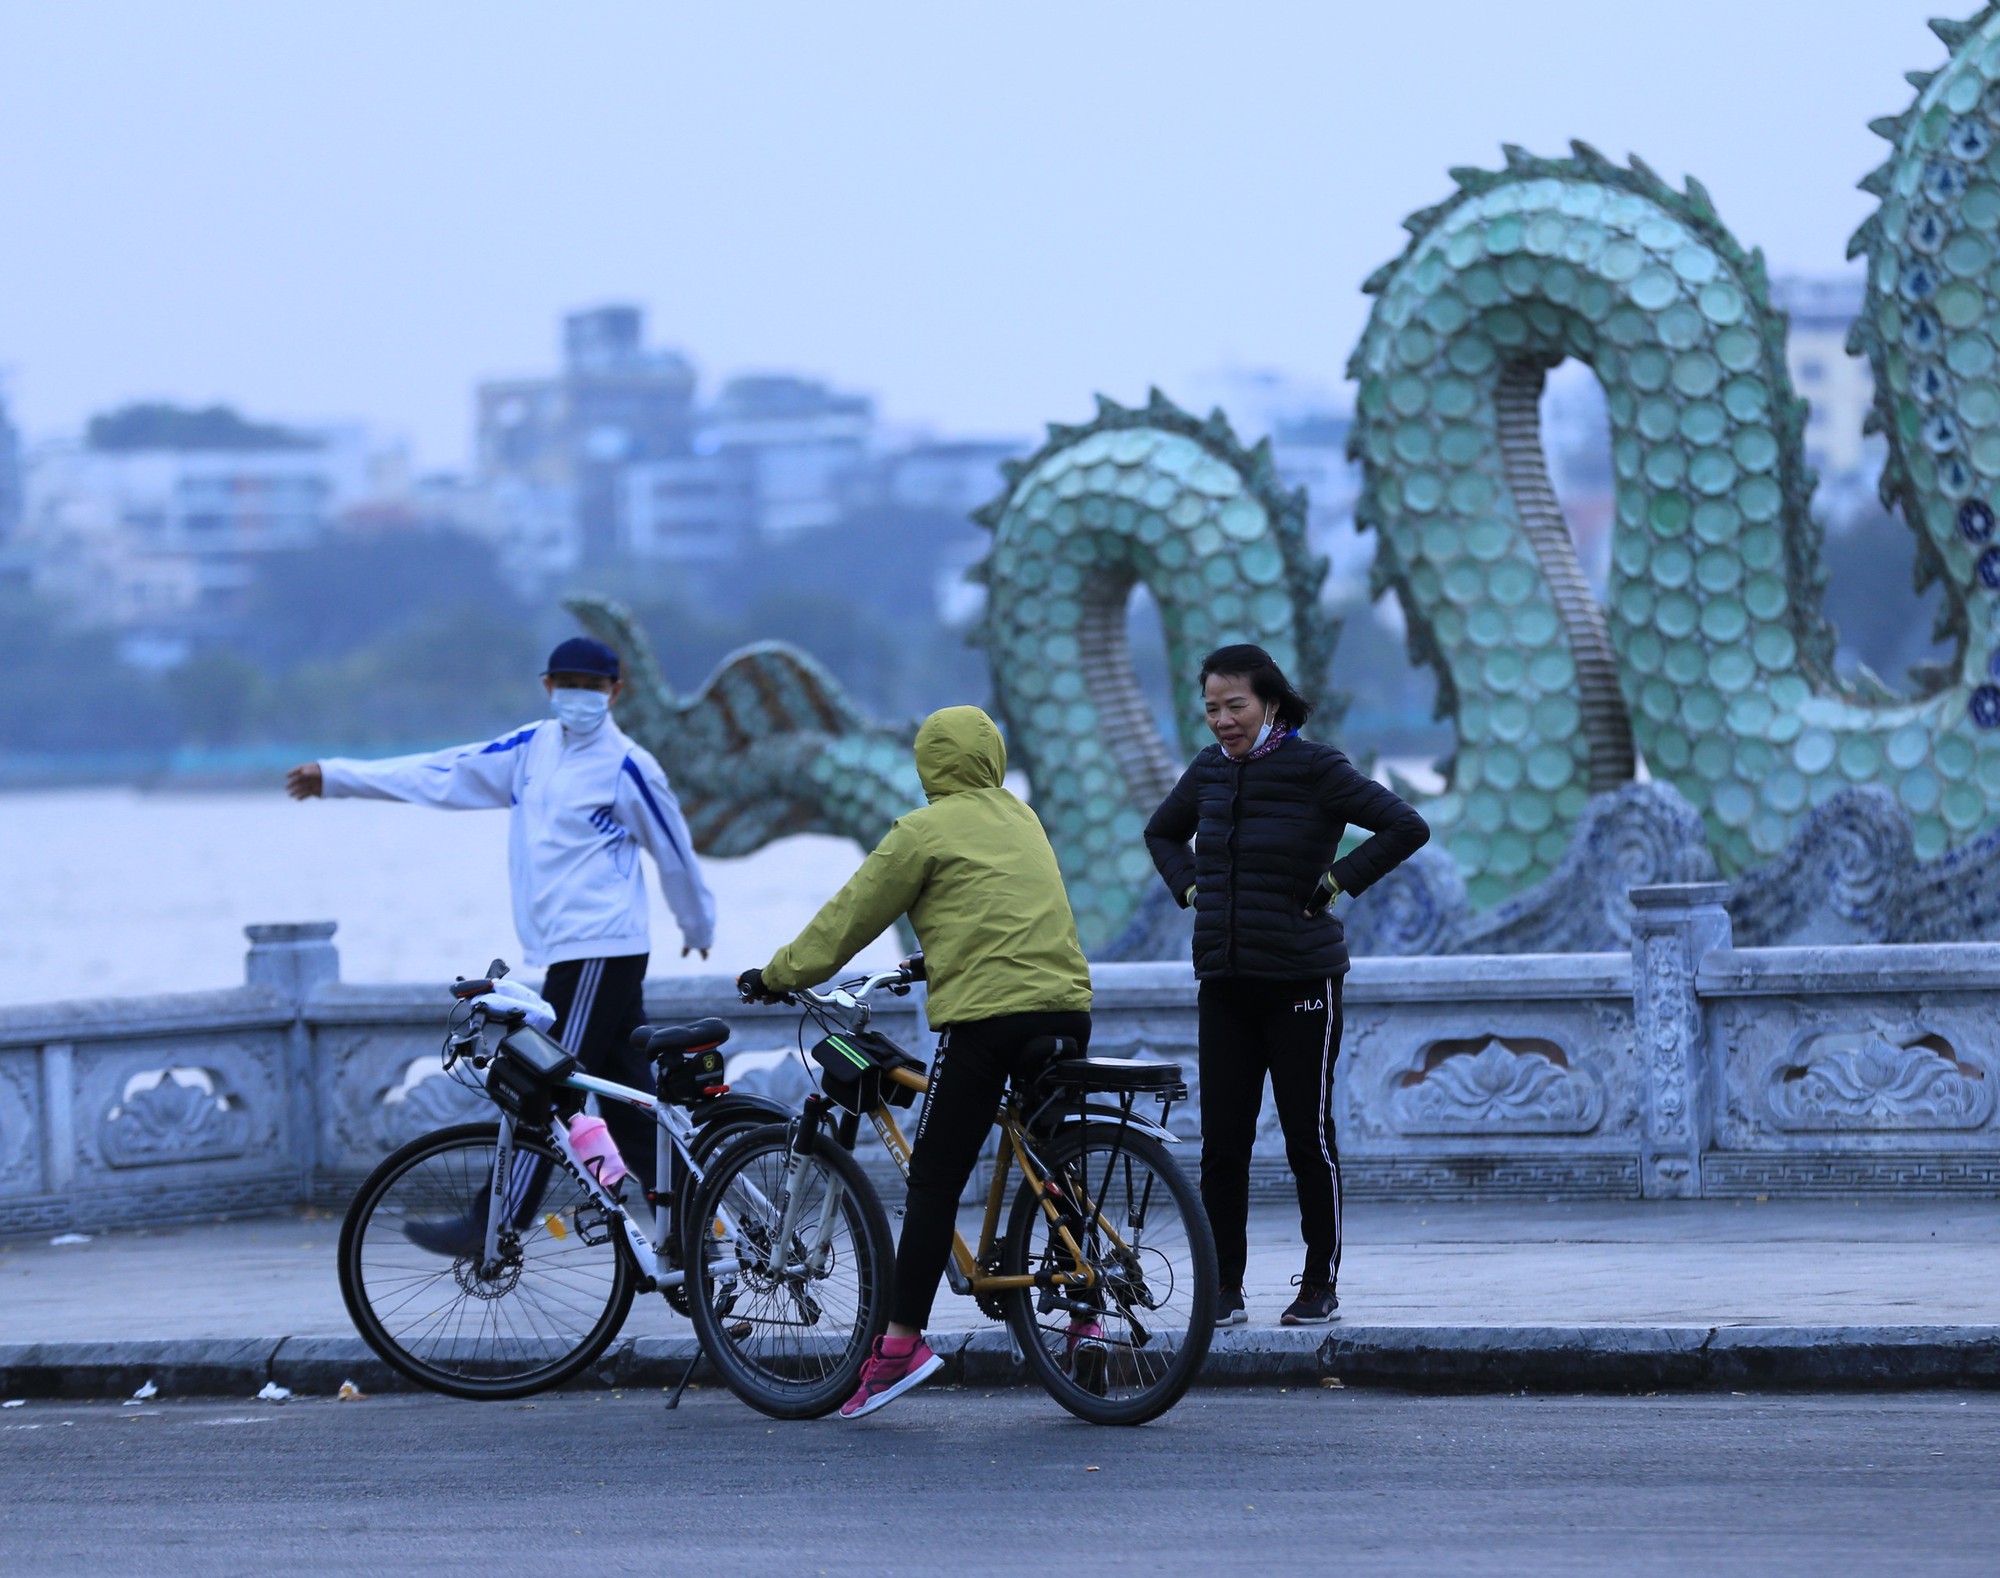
(581, 711)
(1263, 734)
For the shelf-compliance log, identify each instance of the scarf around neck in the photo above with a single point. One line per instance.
(1279, 734)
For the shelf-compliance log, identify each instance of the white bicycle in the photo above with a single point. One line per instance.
(487, 1260)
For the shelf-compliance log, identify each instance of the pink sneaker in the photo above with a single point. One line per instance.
(1088, 1356)
(896, 1365)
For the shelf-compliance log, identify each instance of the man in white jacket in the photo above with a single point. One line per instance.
(583, 800)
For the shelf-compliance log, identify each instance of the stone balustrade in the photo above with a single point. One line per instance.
(1685, 1067)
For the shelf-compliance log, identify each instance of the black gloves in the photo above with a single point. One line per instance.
(750, 987)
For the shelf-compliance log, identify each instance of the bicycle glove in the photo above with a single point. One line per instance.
(1323, 894)
(750, 987)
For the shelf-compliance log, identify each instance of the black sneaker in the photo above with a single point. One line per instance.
(1314, 1306)
(1229, 1309)
(456, 1238)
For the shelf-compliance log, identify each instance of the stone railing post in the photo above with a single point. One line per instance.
(293, 959)
(1674, 926)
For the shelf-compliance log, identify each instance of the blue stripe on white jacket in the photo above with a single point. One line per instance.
(582, 806)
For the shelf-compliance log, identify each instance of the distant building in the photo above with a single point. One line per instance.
(774, 456)
(156, 520)
(954, 476)
(1840, 387)
(801, 443)
(554, 454)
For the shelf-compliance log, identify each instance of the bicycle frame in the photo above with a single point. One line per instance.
(673, 1134)
(964, 1272)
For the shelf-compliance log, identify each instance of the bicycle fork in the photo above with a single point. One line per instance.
(806, 1139)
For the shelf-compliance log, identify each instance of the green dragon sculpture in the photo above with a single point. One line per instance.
(1714, 661)
(1711, 660)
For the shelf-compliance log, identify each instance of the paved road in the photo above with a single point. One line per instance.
(958, 1481)
(1696, 1263)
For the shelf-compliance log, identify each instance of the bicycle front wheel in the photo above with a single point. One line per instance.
(1122, 1348)
(786, 1314)
(412, 1271)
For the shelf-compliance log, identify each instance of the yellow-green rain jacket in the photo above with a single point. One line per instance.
(974, 872)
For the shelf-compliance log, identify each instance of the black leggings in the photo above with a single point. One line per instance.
(968, 1078)
(598, 1004)
(1290, 1030)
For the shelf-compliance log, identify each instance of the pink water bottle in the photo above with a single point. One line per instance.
(594, 1147)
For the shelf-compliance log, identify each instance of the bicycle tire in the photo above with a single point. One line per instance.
(783, 1366)
(1139, 1383)
(450, 1169)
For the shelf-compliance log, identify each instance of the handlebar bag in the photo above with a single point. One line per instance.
(525, 1072)
(854, 1063)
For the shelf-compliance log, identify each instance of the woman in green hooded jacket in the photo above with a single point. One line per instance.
(974, 872)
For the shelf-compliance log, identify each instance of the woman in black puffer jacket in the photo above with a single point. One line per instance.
(1266, 810)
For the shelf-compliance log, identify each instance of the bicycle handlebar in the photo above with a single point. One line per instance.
(852, 994)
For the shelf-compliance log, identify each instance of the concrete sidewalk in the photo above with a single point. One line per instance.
(1460, 1296)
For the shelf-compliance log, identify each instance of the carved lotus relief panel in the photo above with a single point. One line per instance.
(1495, 1084)
(423, 1097)
(1820, 1066)
(178, 1105)
(382, 1089)
(1490, 1074)
(1881, 1074)
(20, 1126)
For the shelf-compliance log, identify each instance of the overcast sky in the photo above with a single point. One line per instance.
(980, 214)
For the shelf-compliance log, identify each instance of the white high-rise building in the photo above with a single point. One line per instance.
(157, 518)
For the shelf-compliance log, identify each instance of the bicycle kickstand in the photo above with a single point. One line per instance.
(687, 1375)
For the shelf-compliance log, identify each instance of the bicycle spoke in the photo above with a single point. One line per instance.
(551, 1297)
(1113, 1337)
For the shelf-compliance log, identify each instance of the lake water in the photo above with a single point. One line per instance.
(115, 891)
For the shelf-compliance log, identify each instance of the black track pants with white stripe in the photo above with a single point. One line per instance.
(598, 1004)
(1290, 1031)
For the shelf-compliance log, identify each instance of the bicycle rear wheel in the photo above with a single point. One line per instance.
(788, 1325)
(1122, 1350)
(550, 1307)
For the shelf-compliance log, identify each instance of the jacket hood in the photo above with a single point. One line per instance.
(959, 748)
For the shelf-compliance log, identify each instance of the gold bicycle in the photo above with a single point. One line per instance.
(1105, 1272)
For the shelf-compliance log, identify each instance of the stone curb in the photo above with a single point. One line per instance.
(1411, 1358)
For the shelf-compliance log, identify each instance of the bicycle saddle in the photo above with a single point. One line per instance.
(698, 1036)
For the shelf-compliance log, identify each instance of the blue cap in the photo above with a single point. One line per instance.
(581, 655)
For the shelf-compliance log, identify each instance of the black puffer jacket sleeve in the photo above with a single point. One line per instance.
(1167, 835)
(1399, 832)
